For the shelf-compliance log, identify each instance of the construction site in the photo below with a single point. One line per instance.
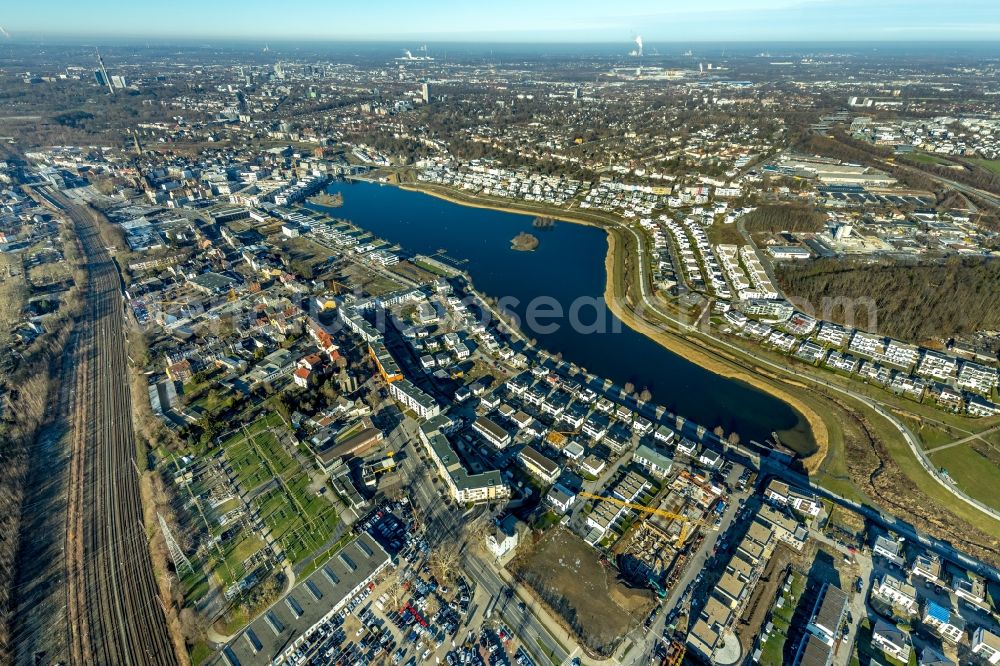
(654, 551)
(583, 589)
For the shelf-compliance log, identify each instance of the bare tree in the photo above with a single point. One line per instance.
(444, 561)
(395, 595)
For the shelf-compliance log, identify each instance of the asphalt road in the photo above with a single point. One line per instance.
(516, 613)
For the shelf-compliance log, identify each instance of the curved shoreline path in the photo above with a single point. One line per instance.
(567, 270)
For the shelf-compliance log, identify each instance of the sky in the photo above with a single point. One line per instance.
(660, 21)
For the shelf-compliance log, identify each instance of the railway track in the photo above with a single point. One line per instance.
(113, 608)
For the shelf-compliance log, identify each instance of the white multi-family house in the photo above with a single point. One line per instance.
(896, 592)
(889, 549)
(687, 447)
(560, 499)
(780, 492)
(867, 344)
(986, 645)
(937, 365)
(658, 463)
(976, 377)
(970, 587)
(927, 566)
(945, 621)
(411, 397)
(901, 355)
(810, 352)
(831, 334)
(843, 362)
(977, 406)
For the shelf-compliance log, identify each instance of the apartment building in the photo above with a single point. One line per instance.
(658, 463)
(975, 377)
(539, 465)
(937, 365)
(833, 335)
(986, 645)
(462, 485)
(492, 432)
(414, 399)
(867, 344)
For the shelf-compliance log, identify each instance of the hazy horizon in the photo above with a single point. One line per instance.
(517, 21)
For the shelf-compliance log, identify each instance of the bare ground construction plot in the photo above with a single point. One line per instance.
(570, 578)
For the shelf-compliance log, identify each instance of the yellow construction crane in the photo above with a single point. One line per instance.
(688, 523)
(336, 285)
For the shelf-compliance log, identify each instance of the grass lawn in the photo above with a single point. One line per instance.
(269, 447)
(237, 551)
(927, 158)
(256, 455)
(911, 467)
(13, 293)
(773, 648)
(200, 653)
(195, 585)
(725, 234)
(972, 472)
(248, 467)
(226, 507)
(992, 165)
(300, 521)
(931, 435)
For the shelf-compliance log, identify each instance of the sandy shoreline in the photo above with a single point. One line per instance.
(703, 358)
(682, 347)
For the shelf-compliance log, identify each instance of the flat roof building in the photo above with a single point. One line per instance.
(287, 624)
(463, 486)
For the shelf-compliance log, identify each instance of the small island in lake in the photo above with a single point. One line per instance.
(524, 242)
(335, 200)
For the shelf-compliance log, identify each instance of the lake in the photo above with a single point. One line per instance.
(566, 272)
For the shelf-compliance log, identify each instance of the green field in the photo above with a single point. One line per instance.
(256, 455)
(972, 472)
(992, 165)
(928, 158)
(774, 647)
(236, 553)
(931, 435)
(300, 521)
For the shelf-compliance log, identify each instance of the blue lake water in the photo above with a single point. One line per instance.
(567, 265)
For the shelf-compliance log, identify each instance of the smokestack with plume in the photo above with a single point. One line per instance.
(638, 43)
